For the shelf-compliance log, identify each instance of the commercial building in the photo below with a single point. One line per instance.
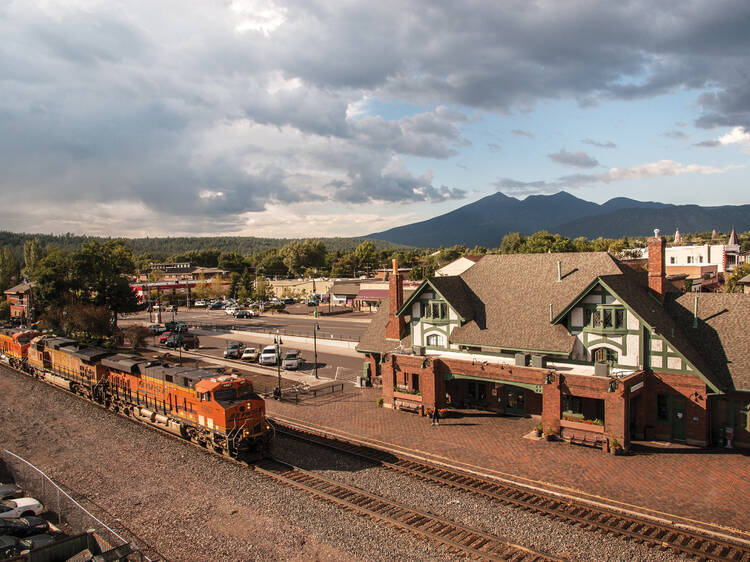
(599, 351)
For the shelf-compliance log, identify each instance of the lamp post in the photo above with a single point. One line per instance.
(315, 341)
(179, 346)
(277, 344)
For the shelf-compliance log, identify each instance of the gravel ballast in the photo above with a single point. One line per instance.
(191, 505)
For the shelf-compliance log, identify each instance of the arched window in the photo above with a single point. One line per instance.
(434, 341)
(604, 355)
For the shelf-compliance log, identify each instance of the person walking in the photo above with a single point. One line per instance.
(435, 417)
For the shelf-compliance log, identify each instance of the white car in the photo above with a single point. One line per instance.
(268, 355)
(231, 310)
(292, 360)
(12, 509)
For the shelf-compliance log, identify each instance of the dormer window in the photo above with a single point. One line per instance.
(436, 310)
(604, 317)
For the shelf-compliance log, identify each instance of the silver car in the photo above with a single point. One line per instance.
(292, 360)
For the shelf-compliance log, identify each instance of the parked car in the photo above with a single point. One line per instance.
(14, 546)
(231, 310)
(200, 304)
(156, 329)
(9, 491)
(170, 308)
(313, 302)
(184, 340)
(20, 507)
(250, 354)
(292, 360)
(216, 305)
(246, 314)
(268, 355)
(176, 327)
(23, 526)
(288, 300)
(37, 541)
(164, 337)
(234, 350)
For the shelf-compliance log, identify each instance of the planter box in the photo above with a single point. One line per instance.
(580, 426)
(407, 396)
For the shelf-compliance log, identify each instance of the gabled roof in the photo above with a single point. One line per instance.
(20, 288)
(745, 279)
(374, 340)
(452, 289)
(721, 337)
(511, 295)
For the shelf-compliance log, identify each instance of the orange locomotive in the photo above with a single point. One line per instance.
(14, 346)
(220, 412)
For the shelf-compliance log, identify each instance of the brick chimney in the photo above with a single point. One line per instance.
(657, 265)
(396, 327)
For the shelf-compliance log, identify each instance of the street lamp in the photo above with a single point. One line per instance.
(277, 344)
(315, 341)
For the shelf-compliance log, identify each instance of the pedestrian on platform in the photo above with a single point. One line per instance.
(435, 417)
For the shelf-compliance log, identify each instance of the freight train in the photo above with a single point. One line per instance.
(219, 412)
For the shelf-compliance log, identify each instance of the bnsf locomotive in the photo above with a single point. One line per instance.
(221, 412)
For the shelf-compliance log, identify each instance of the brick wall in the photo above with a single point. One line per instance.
(657, 269)
(671, 384)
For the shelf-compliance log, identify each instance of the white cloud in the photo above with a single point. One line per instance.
(660, 168)
(738, 135)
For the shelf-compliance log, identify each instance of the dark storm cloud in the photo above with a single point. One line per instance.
(203, 110)
(579, 159)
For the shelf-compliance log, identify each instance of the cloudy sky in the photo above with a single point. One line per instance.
(310, 118)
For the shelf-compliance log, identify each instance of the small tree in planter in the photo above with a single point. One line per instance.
(539, 429)
(549, 434)
(615, 447)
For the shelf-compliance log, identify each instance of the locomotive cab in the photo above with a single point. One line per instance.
(230, 402)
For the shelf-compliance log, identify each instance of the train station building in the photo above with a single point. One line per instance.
(602, 353)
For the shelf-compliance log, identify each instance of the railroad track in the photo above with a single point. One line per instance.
(660, 536)
(457, 538)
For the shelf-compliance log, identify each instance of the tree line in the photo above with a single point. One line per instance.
(85, 283)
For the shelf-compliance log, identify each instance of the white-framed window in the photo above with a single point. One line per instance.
(435, 340)
(672, 259)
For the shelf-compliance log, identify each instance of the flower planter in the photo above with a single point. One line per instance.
(581, 426)
(407, 396)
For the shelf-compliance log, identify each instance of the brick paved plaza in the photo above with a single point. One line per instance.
(705, 485)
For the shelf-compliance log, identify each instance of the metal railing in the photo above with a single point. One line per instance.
(64, 508)
(297, 396)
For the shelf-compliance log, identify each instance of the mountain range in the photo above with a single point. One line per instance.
(486, 221)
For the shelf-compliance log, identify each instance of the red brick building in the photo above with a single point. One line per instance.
(598, 350)
(21, 300)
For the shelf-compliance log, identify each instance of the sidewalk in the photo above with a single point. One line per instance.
(686, 484)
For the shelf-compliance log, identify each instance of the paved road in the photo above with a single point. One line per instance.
(350, 326)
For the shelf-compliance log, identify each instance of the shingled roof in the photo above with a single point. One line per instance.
(511, 295)
(374, 340)
(721, 336)
(506, 299)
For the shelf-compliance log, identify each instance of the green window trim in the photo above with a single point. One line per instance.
(605, 318)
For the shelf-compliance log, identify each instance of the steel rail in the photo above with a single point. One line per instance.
(652, 534)
(458, 538)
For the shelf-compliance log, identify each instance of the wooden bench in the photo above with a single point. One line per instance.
(408, 406)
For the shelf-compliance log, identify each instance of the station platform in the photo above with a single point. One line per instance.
(696, 487)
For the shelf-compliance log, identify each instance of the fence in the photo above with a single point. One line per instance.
(322, 334)
(68, 511)
(296, 396)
